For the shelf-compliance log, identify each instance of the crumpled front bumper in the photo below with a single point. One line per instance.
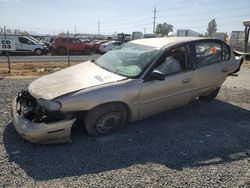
(56, 132)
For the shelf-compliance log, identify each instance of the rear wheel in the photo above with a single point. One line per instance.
(38, 51)
(62, 51)
(210, 97)
(105, 119)
(87, 51)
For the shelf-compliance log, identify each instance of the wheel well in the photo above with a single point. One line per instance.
(37, 49)
(81, 114)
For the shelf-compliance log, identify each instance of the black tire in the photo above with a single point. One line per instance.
(62, 51)
(105, 119)
(210, 97)
(88, 51)
(38, 51)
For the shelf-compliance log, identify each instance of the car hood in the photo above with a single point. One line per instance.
(77, 77)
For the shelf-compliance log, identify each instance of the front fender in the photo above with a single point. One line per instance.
(126, 92)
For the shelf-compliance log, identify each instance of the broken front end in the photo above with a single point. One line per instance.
(40, 121)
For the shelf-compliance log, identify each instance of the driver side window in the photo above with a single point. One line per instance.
(174, 62)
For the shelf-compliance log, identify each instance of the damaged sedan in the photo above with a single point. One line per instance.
(133, 81)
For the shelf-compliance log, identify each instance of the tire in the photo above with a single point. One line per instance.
(38, 51)
(105, 119)
(62, 51)
(210, 97)
(87, 51)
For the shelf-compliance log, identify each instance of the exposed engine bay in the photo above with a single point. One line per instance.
(28, 107)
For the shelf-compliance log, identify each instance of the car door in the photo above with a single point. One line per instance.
(210, 72)
(24, 45)
(78, 45)
(176, 90)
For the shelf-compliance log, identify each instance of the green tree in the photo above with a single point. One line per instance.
(164, 29)
(211, 28)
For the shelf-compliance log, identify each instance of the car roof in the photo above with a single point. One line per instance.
(166, 41)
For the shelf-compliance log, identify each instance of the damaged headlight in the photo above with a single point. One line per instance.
(49, 105)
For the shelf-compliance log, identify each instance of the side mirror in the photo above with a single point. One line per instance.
(157, 75)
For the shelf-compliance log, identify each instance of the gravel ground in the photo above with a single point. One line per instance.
(198, 145)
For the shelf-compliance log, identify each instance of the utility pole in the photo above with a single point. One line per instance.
(98, 28)
(154, 19)
(144, 30)
(75, 30)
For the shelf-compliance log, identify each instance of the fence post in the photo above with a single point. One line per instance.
(7, 52)
(67, 43)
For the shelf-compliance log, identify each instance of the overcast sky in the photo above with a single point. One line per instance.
(53, 16)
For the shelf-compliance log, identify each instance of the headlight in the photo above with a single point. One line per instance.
(49, 105)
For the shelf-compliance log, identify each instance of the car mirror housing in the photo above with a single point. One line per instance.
(157, 75)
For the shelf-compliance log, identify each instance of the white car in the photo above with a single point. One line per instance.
(25, 44)
(105, 47)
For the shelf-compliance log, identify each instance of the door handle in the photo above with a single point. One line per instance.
(224, 69)
(186, 80)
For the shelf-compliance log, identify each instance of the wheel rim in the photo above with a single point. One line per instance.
(38, 52)
(108, 122)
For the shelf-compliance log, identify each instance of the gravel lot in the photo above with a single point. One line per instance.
(198, 145)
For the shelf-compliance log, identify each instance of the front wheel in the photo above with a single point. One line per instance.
(105, 119)
(38, 51)
(210, 97)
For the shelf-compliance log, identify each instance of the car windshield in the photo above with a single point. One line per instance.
(129, 59)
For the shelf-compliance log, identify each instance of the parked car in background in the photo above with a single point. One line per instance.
(27, 45)
(97, 44)
(48, 42)
(107, 46)
(60, 46)
(139, 79)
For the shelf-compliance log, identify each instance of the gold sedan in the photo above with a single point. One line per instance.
(131, 82)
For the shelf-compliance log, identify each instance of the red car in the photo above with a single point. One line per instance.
(74, 45)
(97, 45)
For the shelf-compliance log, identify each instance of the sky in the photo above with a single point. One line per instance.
(82, 16)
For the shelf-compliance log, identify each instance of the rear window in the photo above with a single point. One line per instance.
(208, 53)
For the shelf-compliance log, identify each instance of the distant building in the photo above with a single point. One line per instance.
(137, 35)
(184, 33)
(237, 40)
(219, 36)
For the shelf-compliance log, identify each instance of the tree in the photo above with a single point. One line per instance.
(211, 28)
(164, 29)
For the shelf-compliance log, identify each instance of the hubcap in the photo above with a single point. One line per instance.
(108, 122)
(38, 52)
